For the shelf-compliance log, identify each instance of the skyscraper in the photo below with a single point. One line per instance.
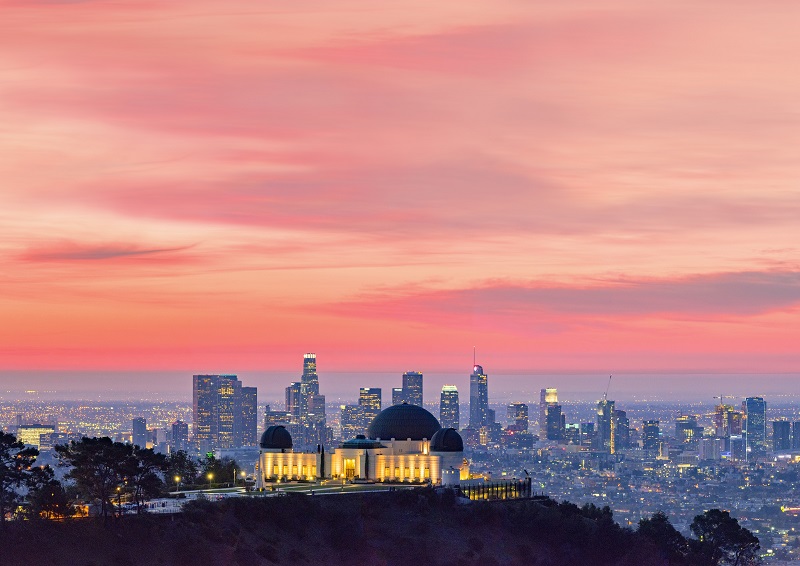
(180, 436)
(546, 396)
(796, 435)
(412, 388)
(606, 434)
(293, 401)
(651, 433)
(554, 419)
(218, 412)
(351, 421)
(448, 407)
(517, 415)
(369, 401)
(623, 430)
(139, 437)
(478, 398)
(781, 435)
(249, 413)
(309, 385)
(397, 396)
(755, 435)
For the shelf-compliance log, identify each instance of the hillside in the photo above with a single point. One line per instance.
(406, 527)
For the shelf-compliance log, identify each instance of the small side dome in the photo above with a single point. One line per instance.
(276, 437)
(447, 440)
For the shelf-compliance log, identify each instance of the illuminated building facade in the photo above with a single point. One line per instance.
(449, 411)
(30, 434)
(546, 397)
(404, 443)
(606, 434)
(221, 412)
(478, 399)
(517, 415)
(755, 434)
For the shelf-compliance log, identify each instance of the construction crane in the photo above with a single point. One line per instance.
(723, 397)
(605, 395)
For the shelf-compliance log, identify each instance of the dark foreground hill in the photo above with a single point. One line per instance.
(406, 527)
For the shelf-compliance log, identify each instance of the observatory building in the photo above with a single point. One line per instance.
(404, 443)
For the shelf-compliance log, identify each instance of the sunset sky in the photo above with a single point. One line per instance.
(569, 186)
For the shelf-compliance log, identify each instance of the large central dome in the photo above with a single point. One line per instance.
(402, 422)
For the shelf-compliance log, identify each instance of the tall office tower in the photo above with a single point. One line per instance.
(276, 417)
(293, 401)
(651, 435)
(478, 399)
(781, 435)
(249, 413)
(369, 400)
(448, 407)
(180, 436)
(546, 397)
(139, 437)
(554, 418)
(517, 414)
(623, 430)
(217, 411)
(796, 436)
(309, 385)
(587, 434)
(412, 387)
(397, 396)
(606, 434)
(351, 421)
(727, 421)
(229, 411)
(686, 429)
(755, 434)
(572, 434)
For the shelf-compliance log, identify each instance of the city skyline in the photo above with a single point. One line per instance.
(593, 187)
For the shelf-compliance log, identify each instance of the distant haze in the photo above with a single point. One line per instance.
(343, 386)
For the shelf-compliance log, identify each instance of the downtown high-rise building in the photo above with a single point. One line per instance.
(249, 412)
(755, 433)
(651, 435)
(397, 396)
(606, 433)
(517, 417)
(306, 407)
(219, 413)
(623, 440)
(449, 413)
(555, 421)
(479, 415)
(180, 436)
(781, 435)
(139, 436)
(546, 397)
(369, 401)
(412, 388)
(796, 435)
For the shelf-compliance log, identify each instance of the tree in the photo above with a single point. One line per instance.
(220, 471)
(180, 465)
(46, 496)
(142, 470)
(97, 468)
(721, 540)
(15, 465)
(668, 540)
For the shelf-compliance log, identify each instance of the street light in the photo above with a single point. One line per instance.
(210, 477)
(177, 483)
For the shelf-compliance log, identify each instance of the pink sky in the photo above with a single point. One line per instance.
(221, 186)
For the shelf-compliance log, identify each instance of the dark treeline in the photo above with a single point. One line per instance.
(421, 527)
(101, 473)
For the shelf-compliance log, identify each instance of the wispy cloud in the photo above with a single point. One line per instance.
(66, 251)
